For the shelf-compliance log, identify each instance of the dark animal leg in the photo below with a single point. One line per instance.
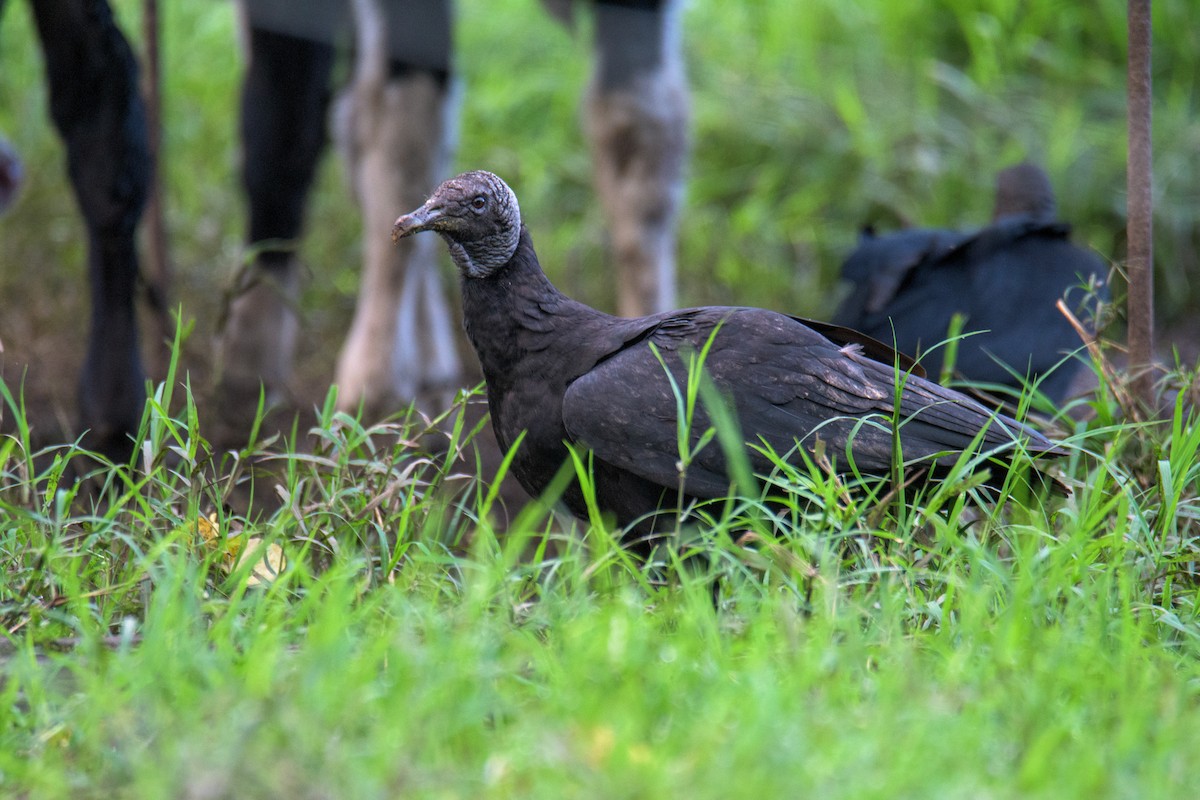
(392, 132)
(285, 97)
(95, 104)
(636, 119)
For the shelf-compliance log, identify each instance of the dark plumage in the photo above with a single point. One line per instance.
(1005, 279)
(563, 372)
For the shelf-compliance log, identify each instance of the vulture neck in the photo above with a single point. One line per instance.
(516, 310)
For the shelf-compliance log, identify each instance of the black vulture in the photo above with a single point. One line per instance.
(1004, 279)
(560, 372)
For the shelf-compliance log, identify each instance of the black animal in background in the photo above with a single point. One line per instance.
(562, 373)
(1005, 279)
(95, 104)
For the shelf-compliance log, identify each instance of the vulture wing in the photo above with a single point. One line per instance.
(787, 384)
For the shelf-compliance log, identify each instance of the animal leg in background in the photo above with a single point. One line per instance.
(636, 120)
(392, 129)
(285, 99)
(95, 105)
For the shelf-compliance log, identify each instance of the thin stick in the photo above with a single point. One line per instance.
(1107, 371)
(157, 271)
(1140, 303)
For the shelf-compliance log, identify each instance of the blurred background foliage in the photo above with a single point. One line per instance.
(810, 120)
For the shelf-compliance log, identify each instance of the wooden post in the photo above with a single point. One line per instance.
(1140, 231)
(157, 269)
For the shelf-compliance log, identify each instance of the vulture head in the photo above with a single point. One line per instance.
(1024, 189)
(478, 216)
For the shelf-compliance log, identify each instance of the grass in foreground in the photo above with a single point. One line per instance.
(857, 647)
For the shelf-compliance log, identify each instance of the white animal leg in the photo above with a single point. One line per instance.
(636, 120)
(393, 132)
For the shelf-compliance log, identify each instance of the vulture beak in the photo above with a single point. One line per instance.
(422, 219)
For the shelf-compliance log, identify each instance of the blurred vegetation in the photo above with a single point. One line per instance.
(812, 119)
(809, 120)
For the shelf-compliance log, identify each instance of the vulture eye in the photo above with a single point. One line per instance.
(479, 203)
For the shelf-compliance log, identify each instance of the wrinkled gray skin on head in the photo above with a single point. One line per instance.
(478, 216)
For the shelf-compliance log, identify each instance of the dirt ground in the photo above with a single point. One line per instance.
(43, 332)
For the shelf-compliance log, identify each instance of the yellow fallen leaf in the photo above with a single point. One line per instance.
(217, 541)
(269, 558)
(209, 530)
(268, 561)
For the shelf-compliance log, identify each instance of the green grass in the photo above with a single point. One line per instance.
(959, 643)
(947, 646)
